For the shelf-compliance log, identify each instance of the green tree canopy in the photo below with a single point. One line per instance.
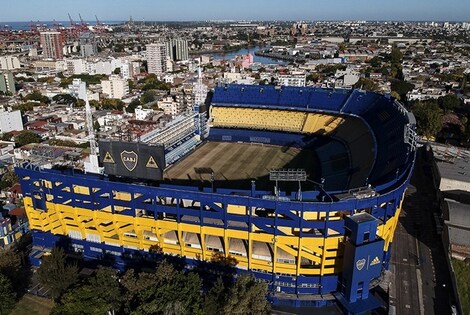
(7, 296)
(449, 103)
(402, 88)
(167, 291)
(147, 97)
(8, 179)
(55, 274)
(133, 105)
(428, 118)
(112, 104)
(65, 99)
(102, 295)
(367, 84)
(37, 96)
(27, 137)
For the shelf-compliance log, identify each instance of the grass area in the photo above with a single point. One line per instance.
(33, 305)
(462, 273)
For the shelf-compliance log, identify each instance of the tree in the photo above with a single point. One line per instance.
(214, 300)
(367, 84)
(449, 103)
(112, 104)
(27, 137)
(147, 97)
(37, 96)
(247, 296)
(7, 296)
(133, 105)
(8, 179)
(167, 291)
(64, 99)
(10, 264)
(396, 56)
(428, 118)
(402, 88)
(102, 295)
(55, 274)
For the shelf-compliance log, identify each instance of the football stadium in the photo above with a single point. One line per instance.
(303, 186)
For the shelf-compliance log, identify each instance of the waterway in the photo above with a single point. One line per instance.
(26, 26)
(251, 50)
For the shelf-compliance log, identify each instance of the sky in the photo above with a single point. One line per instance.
(198, 10)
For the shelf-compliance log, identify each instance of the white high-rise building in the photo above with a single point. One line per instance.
(115, 87)
(76, 66)
(78, 89)
(10, 120)
(156, 58)
(127, 70)
(177, 49)
(9, 63)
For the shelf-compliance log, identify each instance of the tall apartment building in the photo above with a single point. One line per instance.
(9, 63)
(156, 58)
(10, 120)
(52, 45)
(7, 83)
(115, 87)
(78, 89)
(177, 49)
(88, 45)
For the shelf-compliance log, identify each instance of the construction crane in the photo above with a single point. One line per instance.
(71, 21)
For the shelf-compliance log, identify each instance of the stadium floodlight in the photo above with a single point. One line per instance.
(288, 175)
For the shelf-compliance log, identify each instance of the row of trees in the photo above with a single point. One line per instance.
(167, 289)
(14, 275)
(447, 114)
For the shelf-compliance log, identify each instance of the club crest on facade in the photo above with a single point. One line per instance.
(360, 264)
(129, 159)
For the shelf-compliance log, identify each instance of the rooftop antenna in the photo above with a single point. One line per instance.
(91, 165)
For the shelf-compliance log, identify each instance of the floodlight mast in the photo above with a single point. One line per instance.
(92, 164)
(288, 175)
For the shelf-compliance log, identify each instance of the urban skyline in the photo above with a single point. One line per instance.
(185, 10)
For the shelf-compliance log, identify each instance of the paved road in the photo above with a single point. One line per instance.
(421, 278)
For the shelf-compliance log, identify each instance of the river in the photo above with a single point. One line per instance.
(251, 50)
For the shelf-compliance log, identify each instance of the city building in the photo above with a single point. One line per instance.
(76, 66)
(78, 89)
(9, 63)
(291, 79)
(52, 45)
(7, 83)
(177, 49)
(115, 87)
(170, 106)
(456, 213)
(156, 58)
(10, 120)
(142, 113)
(88, 45)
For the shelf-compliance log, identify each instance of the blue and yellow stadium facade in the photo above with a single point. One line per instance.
(297, 247)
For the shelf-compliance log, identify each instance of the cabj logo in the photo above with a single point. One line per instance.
(360, 264)
(129, 159)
